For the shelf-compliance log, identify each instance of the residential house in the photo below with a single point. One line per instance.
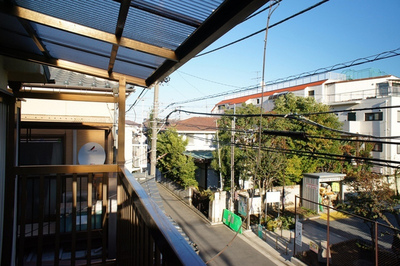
(342, 93)
(200, 132)
(135, 154)
(120, 46)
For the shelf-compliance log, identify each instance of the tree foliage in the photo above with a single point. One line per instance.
(307, 162)
(281, 158)
(371, 197)
(173, 163)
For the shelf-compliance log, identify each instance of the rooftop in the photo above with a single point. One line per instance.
(243, 99)
(195, 124)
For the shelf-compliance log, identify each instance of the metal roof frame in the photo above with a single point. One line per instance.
(114, 55)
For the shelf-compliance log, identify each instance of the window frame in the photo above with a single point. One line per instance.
(375, 116)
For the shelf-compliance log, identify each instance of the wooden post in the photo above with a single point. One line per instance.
(121, 121)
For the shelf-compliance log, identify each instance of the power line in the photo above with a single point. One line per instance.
(211, 81)
(297, 117)
(327, 156)
(137, 99)
(262, 30)
(339, 66)
(292, 134)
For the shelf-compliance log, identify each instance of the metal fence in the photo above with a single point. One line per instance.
(336, 237)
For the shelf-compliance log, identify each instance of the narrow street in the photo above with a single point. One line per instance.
(211, 239)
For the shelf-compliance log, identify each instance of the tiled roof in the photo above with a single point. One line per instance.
(243, 99)
(195, 124)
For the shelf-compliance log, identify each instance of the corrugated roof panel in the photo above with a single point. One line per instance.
(181, 26)
(140, 58)
(78, 56)
(67, 39)
(98, 14)
(127, 68)
(156, 30)
(187, 12)
(20, 39)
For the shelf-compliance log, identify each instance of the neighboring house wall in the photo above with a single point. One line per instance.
(200, 133)
(136, 151)
(199, 140)
(59, 112)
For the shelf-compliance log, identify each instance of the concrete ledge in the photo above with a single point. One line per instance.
(297, 262)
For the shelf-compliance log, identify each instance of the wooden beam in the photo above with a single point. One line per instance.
(227, 16)
(121, 122)
(65, 169)
(66, 96)
(123, 13)
(71, 66)
(98, 72)
(75, 28)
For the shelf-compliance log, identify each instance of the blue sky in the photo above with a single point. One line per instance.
(337, 31)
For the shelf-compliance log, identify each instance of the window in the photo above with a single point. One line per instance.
(42, 151)
(377, 147)
(398, 116)
(351, 117)
(398, 149)
(190, 138)
(258, 101)
(311, 93)
(378, 116)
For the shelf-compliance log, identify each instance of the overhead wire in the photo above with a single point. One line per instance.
(263, 30)
(339, 66)
(298, 117)
(137, 99)
(328, 156)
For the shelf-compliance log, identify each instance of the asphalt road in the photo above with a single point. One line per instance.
(211, 239)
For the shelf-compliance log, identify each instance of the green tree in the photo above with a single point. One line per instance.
(246, 137)
(172, 162)
(291, 104)
(371, 197)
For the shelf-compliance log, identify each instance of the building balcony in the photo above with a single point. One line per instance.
(92, 214)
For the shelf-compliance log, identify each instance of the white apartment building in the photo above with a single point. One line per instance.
(340, 93)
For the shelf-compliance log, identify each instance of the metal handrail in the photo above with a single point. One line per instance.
(174, 248)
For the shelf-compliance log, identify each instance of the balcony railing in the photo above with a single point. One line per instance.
(65, 217)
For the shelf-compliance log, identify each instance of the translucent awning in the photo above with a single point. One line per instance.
(142, 40)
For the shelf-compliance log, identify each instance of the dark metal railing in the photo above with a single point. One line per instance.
(64, 216)
(147, 237)
(63, 213)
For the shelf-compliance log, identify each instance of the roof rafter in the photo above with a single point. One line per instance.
(71, 66)
(61, 24)
(123, 13)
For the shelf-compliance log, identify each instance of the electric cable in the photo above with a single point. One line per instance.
(292, 134)
(262, 30)
(355, 62)
(297, 117)
(137, 99)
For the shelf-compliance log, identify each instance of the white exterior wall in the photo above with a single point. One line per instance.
(389, 126)
(67, 111)
(352, 90)
(199, 141)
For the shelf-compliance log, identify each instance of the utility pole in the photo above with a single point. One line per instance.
(233, 161)
(221, 180)
(153, 154)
